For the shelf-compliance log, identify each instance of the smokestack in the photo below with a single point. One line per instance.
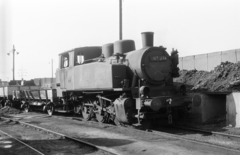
(147, 39)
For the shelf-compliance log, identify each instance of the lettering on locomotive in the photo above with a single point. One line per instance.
(158, 58)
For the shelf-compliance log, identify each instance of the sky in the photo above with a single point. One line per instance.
(41, 29)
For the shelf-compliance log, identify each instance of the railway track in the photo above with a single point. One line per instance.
(209, 132)
(81, 146)
(213, 143)
(186, 138)
(31, 151)
(158, 132)
(172, 126)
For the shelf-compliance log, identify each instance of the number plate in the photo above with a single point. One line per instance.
(158, 58)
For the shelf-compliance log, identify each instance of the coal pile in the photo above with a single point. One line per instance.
(225, 77)
(9, 110)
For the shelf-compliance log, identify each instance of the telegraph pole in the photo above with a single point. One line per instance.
(14, 63)
(120, 19)
(13, 53)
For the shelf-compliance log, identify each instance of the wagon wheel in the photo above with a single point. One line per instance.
(78, 110)
(26, 107)
(50, 109)
(101, 115)
(87, 109)
(44, 108)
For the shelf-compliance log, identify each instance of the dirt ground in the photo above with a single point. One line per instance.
(122, 140)
(9, 110)
(224, 77)
(47, 143)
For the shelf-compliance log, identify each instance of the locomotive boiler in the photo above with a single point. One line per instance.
(117, 83)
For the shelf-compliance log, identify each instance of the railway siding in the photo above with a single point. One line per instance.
(42, 142)
(123, 140)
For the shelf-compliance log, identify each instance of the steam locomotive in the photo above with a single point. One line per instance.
(114, 83)
(117, 83)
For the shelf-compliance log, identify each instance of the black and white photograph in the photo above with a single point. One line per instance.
(119, 77)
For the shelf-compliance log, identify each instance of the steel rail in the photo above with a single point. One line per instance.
(159, 133)
(184, 128)
(62, 135)
(208, 132)
(189, 139)
(22, 142)
(180, 127)
(194, 140)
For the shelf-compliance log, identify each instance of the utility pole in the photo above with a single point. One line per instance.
(13, 53)
(52, 70)
(120, 19)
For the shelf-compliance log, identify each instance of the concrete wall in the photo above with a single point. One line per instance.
(216, 106)
(213, 59)
(208, 61)
(199, 61)
(212, 106)
(233, 110)
(230, 56)
(238, 54)
(188, 62)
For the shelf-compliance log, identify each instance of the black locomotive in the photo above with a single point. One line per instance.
(117, 83)
(113, 83)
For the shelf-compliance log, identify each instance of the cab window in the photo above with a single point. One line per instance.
(79, 59)
(65, 60)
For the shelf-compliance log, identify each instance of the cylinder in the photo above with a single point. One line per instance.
(154, 104)
(147, 39)
(124, 46)
(107, 50)
(144, 90)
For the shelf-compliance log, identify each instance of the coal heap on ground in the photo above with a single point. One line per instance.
(9, 110)
(225, 77)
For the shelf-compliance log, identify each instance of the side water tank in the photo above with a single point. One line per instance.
(107, 50)
(124, 46)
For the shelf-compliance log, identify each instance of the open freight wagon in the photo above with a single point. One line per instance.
(37, 99)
